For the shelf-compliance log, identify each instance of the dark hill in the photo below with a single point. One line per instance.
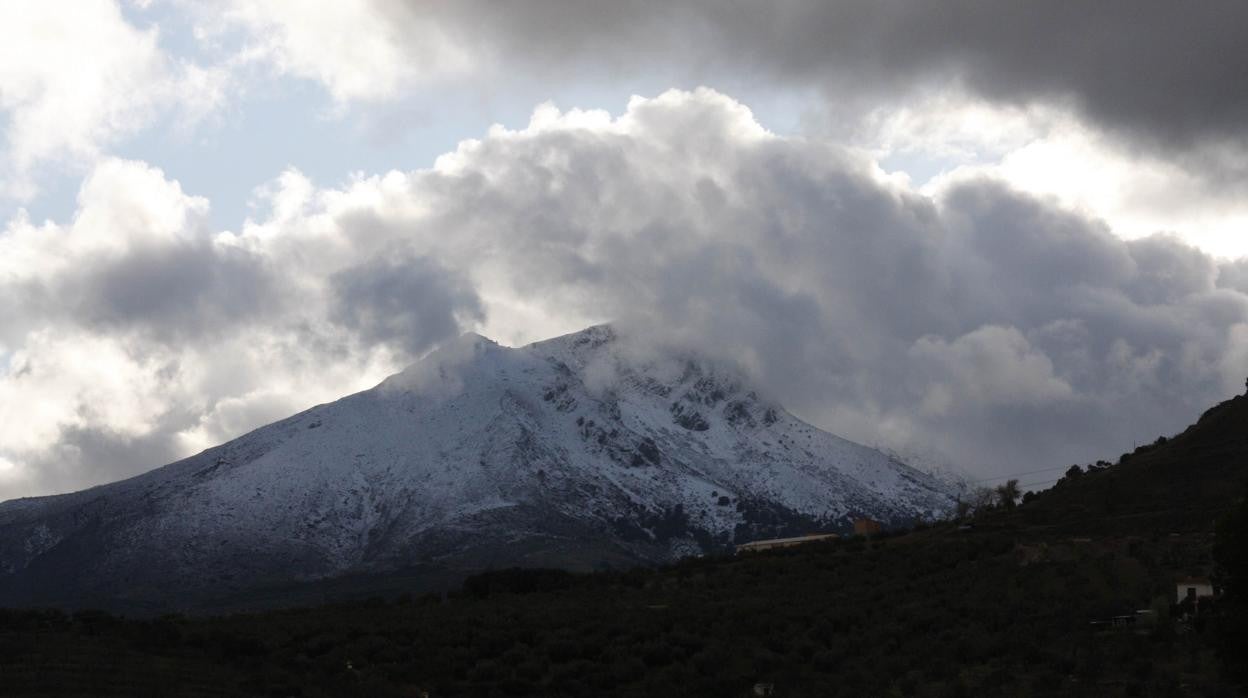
(1180, 484)
(1041, 599)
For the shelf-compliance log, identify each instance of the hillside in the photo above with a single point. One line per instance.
(933, 613)
(998, 606)
(1179, 484)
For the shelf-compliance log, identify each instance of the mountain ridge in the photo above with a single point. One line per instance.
(573, 452)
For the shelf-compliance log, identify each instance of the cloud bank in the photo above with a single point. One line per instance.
(1163, 74)
(991, 329)
(1132, 110)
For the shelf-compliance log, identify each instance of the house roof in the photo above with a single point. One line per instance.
(1193, 580)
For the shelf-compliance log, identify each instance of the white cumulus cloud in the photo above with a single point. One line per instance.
(76, 78)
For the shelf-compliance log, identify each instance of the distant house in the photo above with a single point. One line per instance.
(1194, 588)
(755, 546)
(867, 527)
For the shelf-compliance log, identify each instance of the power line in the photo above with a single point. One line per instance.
(1039, 482)
(1029, 472)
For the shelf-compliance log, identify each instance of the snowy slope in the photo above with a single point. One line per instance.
(573, 452)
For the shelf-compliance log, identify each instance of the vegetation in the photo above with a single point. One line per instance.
(1037, 598)
(1231, 551)
(935, 612)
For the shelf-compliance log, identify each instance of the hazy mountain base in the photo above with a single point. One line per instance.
(491, 540)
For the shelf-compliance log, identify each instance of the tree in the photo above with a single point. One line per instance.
(1072, 473)
(1008, 494)
(982, 499)
(961, 510)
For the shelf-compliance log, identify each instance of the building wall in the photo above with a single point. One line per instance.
(1203, 589)
(866, 527)
(783, 542)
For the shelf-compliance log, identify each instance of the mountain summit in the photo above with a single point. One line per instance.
(573, 452)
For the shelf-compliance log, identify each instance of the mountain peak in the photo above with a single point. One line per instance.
(474, 337)
(468, 341)
(443, 361)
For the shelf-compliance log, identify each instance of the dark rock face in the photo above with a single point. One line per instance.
(689, 419)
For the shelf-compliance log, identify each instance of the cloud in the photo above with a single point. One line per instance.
(358, 49)
(134, 334)
(1156, 70)
(989, 367)
(1160, 73)
(996, 329)
(1234, 275)
(73, 83)
(137, 257)
(1051, 154)
(1146, 140)
(409, 302)
(806, 263)
(1131, 112)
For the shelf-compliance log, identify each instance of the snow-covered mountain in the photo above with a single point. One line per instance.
(575, 452)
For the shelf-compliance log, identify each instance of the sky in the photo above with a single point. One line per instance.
(995, 237)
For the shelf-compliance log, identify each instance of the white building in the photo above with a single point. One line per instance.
(755, 546)
(1194, 588)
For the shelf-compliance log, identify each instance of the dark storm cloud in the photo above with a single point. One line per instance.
(1167, 74)
(85, 456)
(182, 291)
(410, 302)
(1234, 275)
(178, 291)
